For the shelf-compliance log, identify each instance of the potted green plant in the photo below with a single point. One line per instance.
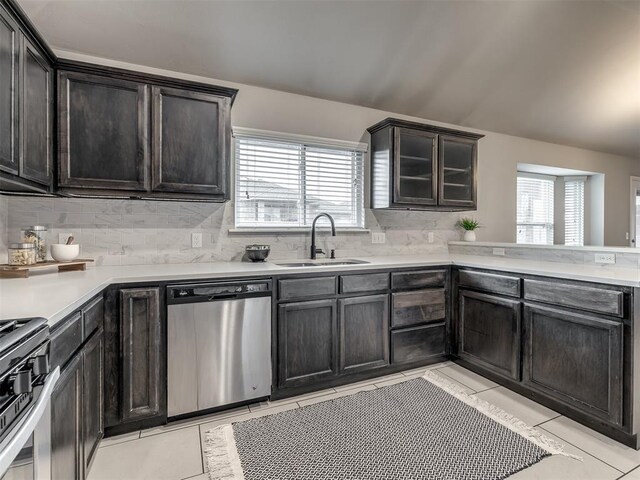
(469, 225)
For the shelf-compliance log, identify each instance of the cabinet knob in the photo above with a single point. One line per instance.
(20, 382)
(40, 365)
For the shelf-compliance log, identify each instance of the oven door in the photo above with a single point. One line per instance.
(25, 453)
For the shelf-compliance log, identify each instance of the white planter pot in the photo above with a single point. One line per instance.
(469, 236)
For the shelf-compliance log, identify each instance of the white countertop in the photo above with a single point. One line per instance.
(55, 295)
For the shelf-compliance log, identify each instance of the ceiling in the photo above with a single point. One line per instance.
(561, 71)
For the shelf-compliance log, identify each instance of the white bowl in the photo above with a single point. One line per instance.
(64, 253)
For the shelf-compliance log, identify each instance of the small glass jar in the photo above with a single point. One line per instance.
(21, 254)
(37, 234)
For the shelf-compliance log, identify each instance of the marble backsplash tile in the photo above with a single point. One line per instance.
(126, 232)
(564, 255)
(4, 219)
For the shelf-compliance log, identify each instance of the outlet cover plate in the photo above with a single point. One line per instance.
(499, 251)
(606, 258)
(378, 237)
(196, 240)
(430, 237)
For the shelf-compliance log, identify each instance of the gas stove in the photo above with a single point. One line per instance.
(24, 364)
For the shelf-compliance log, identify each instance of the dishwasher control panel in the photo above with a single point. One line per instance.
(214, 291)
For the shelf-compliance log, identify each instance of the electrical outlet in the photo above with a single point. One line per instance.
(196, 240)
(430, 237)
(609, 258)
(499, 251)
(378, 237)
(63, 237)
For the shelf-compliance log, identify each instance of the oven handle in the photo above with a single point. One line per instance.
(27, 425)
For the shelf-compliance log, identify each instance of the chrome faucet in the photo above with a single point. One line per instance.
(315, 251)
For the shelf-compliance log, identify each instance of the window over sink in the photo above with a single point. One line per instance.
(284, 181)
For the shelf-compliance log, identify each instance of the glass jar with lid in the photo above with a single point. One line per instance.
(37, 235)
(21, 254)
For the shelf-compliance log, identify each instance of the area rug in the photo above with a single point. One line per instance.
(422, 429)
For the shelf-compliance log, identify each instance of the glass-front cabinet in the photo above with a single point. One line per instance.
(457, 171)
(415, 167)
(422, 167)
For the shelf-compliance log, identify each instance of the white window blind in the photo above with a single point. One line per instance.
(286, 183)
(574, 211)
(535, 209)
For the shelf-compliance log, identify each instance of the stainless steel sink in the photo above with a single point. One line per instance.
(321, 263)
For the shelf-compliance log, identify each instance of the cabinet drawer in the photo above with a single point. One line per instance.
(490, 282)
(364, 283)
(423, 306)
(421, 279)
(592, 299)
(306, 287)
(418, 343)
(66, 340)
(92, 316)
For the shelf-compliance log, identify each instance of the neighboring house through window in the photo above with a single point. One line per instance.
(286, 180)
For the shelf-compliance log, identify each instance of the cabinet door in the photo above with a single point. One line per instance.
(142, 385)
(66, 421)
(307, 342)
(191, 141)
(92, 396)
(576, 359)
(457, 171)
(415, 167)
(103, 132)
(490, 329)
(364, 332)
(36, 116)
(9, 49)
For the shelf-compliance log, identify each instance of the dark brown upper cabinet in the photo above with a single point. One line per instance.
(36, 119)
(9, 62)
(127, 134)
(422, 167)
(103, 125)
(26, 105)
(190, 135)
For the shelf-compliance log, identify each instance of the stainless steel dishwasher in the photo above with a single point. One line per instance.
(219, 344)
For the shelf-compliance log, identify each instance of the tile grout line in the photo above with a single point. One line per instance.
(473, 392)
(201, 447)
(547, 420)
(584, 451)
(625, 474)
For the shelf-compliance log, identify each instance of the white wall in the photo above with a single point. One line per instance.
(498, 154)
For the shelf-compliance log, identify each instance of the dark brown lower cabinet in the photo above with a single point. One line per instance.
(66, 423)
(417, 344)
(92, 397)
(489, 330)
(576, 359)
(77, 412)
(363, 332)
(143, 380)
(307, 350)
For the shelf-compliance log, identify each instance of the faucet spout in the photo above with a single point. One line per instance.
(314, 250)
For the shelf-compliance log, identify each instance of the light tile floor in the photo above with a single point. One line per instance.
(174, 452)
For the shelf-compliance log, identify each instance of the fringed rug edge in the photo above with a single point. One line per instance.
(222, 455)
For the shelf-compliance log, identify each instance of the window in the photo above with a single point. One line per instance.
(285, 180)
(574, 211)
(535, 209)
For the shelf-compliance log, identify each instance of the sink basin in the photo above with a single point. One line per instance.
(321, 263)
